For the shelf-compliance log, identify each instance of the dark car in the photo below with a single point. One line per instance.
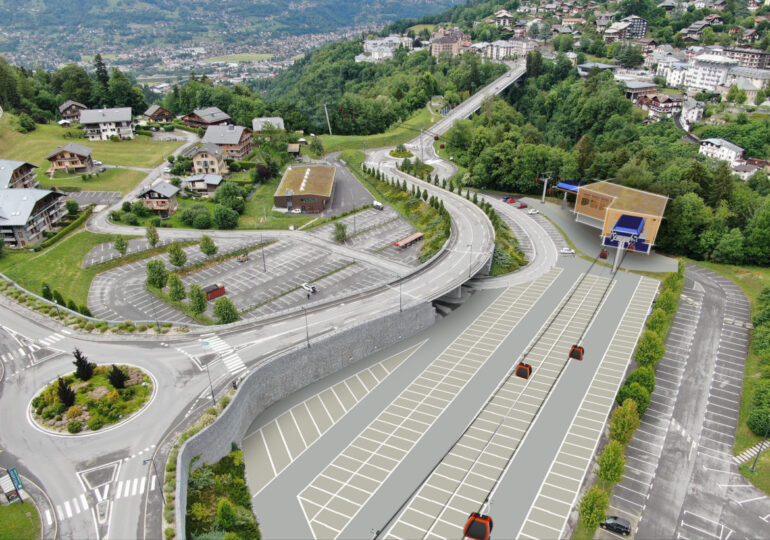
(617, 525)
(509, 200)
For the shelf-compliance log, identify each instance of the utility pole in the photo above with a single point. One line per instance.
(151, 460)
(213, 399)
(422, 155)
(761, 445)
(262, 249)
(307, 329)
(545, 186)
(327, 119)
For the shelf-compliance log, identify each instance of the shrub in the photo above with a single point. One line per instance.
(650, 349)
(202, 221)
(75, 426)
(644, 376)
(74, 411)
(659, 322)
(612, 462)
(66, 393)
(84, 369)
(117, 377)
(129, 218)
(636, 392)
(624, 421)
(224, 218)
(593, 506)
(95, 423)
(759, 420)
(169, 533)
(225, 515)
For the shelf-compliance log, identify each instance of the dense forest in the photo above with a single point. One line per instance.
(569, 128)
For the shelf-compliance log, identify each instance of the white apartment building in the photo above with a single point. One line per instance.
(708, 71)
(722, 149)
(101, 124)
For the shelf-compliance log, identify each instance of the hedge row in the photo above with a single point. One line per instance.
(66, 230)
(759, 416)
(634, 398)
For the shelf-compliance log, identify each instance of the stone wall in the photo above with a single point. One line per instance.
(281, 376)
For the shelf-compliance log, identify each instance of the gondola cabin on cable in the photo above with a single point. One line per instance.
(576, 352)
(523, 370)
(604, 254)
(479, 527)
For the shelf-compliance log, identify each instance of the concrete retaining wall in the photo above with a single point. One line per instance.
(282, 375)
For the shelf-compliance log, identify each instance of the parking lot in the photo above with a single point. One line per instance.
(272, 448)
(471, 469)
(558, 492)
(106, 252)
(336, 494)
(84, 198)
(375, 231)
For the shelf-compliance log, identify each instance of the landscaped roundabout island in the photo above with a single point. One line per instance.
(91, 398)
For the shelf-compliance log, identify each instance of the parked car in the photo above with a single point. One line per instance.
(509, 200)
(567, 251)
(521, 205)
(97, 163)
(243, 257)
(616, 524)
(309, 288)
(167, 170)
(296, 210)
(533, 211)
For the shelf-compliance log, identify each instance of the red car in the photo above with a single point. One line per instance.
(509, 200)
(522, 205)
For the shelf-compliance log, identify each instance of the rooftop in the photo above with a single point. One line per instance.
(72, 148)
(723, 142)
(7, 167)
(16, 205)
(307, 179)
(97, 116)
(259, 124)
(212, 114)
(628, 199)
(162, 187)
(223, 134)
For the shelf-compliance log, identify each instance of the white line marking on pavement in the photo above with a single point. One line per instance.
(59, 512)
(118, 491)
(152, 483)
(48, 518)
(68, 509)
(142, 484)
(84, 501)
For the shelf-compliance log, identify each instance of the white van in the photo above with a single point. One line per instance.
(377, 205)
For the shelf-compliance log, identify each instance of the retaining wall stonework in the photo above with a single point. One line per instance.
(281, 376)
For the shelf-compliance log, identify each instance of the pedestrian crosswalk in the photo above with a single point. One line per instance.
(751, 453)
(50, 340)
(133, 487)
(68, 509)
(12, 355)
(224, 351)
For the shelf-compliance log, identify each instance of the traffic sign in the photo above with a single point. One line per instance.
(15, 479)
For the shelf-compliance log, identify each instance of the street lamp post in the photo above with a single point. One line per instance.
(469, 259)
(151, 460)
(262, 249)
(761, 445)
(307, 329)
(211, 386)
(400, 305)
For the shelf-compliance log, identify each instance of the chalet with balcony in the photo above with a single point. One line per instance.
(208, 159)
(235, 141)
(160, 198)
(70, 157)
(70, 110)
(203, 118)
(102, 124)
(17, 174)
(27, 213)
(156, 113)
(661, 105)
(202, 184)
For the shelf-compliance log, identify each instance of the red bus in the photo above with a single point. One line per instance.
(409, 240)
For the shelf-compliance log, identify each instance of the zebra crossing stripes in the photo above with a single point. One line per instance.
(55, 337)
(229, 357)
(751, 453)
(134, 486)
(68, 508)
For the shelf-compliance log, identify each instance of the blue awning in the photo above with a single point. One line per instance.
(629, 225)
(568, 186)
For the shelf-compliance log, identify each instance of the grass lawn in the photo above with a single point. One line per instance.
(398, 134)
(751, 280)
(240, 57)
(761, 477)
(35, 146)
(59, 265)
(259, 213)
(17, 523)
(123, 180)
(417, 28)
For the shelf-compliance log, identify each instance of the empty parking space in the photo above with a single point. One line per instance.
(94, 197)
(106, 252)
(334, 497)
(558, 493)
(269, 450)
(467, 474)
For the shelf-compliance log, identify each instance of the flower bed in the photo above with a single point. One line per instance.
(96, 402)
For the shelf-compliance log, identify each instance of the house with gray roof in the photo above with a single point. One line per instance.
(156, 113)
(160, 198)
(70, 110)
(202, 118)
(71, 157)
(266, 123)
(203, 184)
(207, 159)
(722, 149)
(27, 213)
(17, 174)
(102, 124)
(235, 141)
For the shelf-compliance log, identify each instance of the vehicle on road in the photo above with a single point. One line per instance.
(533, 211)
(567, 251)
(296, 210)
(243, 257)
(479, 527)
(521, 205)
(97, 163)
(377, 205)
(167, 170)
(576, 352)
(604, 254)
(509, 200)
(309, 288)
(616, 524)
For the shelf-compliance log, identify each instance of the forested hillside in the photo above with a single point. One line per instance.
(570, 128)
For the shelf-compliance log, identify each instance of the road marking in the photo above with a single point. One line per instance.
(106, 491)
(142, 484)
(134, 486)
(76, 505)
(68, 509)
(48, 518)
(59, 512)
(127, 489)
(118, 491)
(152, 483)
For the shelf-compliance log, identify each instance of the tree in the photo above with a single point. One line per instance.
(152, 235)
(644, 376)
(340, 232)
(121, 245)
(72, 207)
(117, 377)
(102, 76)
(612, 462)
(730, 250)
(47, 294)
(650, 349)
(176, 288)
(59, 299)
(593, 506)
(230, 195)
(157, 275)
(224, 218)
(197, 299)
(624, 421)
(176, 255)
(66, 393)
(84, 369)
(225, 519)
(207, 245)
(225, 311)
(638, 393)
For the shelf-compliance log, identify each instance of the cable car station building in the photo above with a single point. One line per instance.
(628, 218)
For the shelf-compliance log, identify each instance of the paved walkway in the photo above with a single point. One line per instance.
(751, 453)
